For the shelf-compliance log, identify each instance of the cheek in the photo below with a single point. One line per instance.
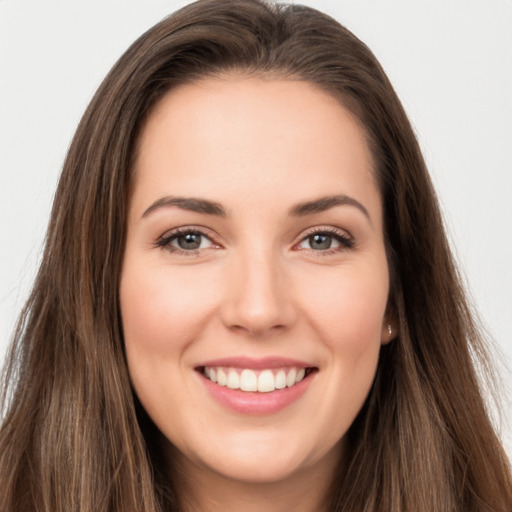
(347, 313)
(348, 306)
(161, 311)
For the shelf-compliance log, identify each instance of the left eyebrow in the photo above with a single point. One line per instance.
(193, 204)
(325, 203)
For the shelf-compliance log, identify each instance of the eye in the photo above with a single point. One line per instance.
(185, 240)
(326, 240)
(321, 242)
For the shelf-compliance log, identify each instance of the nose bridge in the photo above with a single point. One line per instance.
(257, 298)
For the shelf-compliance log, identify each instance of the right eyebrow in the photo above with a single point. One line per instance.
(193, 204)
(325, 203)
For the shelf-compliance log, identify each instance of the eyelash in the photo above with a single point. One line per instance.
(346, 241)
(164, 242)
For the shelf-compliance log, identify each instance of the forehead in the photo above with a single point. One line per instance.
(251, 137)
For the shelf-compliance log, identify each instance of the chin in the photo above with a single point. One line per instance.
(246, 470)
(263, 457)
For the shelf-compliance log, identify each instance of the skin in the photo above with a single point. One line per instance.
(256, 287)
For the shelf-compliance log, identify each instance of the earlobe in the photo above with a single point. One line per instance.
(389, 333)
(390, 321)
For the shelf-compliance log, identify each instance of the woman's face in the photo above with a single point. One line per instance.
(255, 282)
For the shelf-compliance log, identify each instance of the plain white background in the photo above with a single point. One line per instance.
(449, 60)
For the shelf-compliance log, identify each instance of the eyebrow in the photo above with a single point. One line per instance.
(199, 205)
(325, 203)
(192, 204)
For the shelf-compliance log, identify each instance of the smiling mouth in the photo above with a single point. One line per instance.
(248, 380)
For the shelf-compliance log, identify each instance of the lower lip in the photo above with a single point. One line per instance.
(246, 402)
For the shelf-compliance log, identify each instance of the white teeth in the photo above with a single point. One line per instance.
(290, 378)
(222, 378)
(249, 380)
(233, 380)
(280, 379)
(266, 381)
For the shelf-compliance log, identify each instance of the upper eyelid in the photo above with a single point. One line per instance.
(326, 229)
(187, 229)
(204, 230)
(330, 230)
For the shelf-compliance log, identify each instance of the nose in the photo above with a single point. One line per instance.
(258, 298)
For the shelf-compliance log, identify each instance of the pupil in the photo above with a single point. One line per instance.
(320, 241)
(189, 241)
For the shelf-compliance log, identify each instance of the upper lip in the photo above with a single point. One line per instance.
(256, 363)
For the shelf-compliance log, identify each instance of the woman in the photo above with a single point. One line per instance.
(247, 299)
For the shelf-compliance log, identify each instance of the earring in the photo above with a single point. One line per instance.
(390, 329)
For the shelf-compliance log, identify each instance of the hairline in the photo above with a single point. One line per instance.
(272, 74)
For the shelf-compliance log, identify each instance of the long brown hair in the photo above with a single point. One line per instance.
(74, 436)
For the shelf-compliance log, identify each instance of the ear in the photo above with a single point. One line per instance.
(390, 322)
(389, 330)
